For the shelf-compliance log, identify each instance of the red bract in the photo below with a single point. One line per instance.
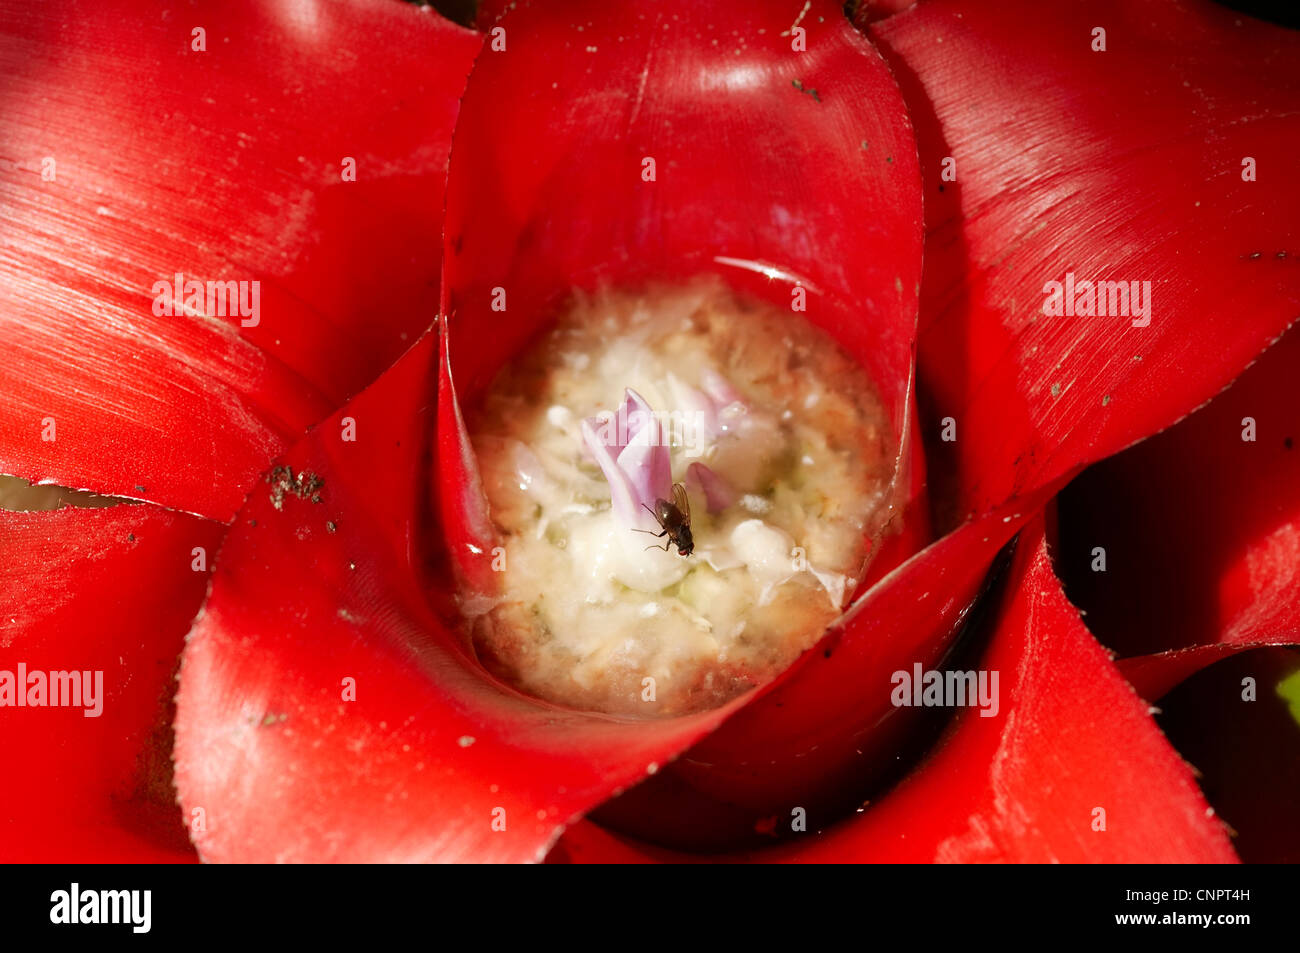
(1231, 470)
(221, 164)
(158, 168)
(110, 590)
(1118, 165)
(328, 708)
(1072, 767)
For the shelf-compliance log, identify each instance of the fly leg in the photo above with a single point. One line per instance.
(648, 532)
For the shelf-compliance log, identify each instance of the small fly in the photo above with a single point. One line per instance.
(674, 518)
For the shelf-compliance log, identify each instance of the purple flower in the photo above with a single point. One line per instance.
(633, 454)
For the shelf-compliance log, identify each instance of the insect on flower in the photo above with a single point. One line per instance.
(674, 518)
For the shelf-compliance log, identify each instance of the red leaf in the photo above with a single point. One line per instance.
(416, 766)
(220, 164)
(1153, 676)
(1070, 737)
(760, 174)
(1200, 531)
(1118, 165)
(110, 590)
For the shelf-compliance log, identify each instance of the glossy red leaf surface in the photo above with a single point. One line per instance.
(130, 156)
(1120, 165)
(1022, 786)
(773, 167)
(1155, 675)
(97, 590)
(1200, 531)
(429, 751)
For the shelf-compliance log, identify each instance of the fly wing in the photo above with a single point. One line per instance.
(683, 503)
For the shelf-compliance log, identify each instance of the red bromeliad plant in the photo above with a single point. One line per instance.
(311, 504)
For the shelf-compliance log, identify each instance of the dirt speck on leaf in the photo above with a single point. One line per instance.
(305, 486)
